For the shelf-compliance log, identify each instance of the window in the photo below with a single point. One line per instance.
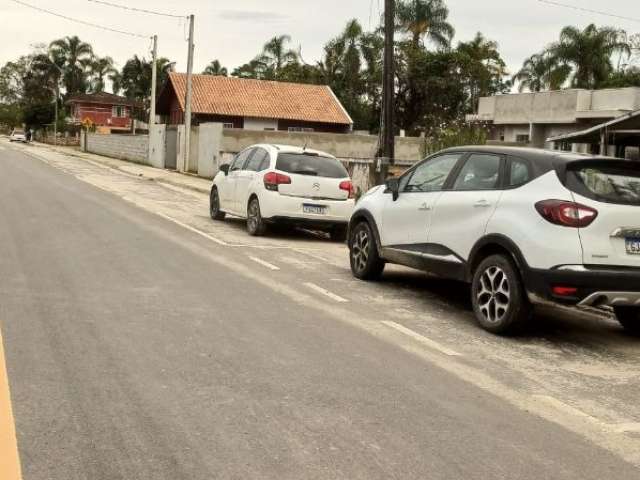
(431, 175)
(241, 159)
(119, 111)
(227, 126)
(519, 172)
(606, 181)
(259, 161)
(300, 129)
(480, 172)
(522, 138)
(311, 164)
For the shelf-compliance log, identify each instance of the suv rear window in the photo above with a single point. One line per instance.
(309, 164)
(618, 182)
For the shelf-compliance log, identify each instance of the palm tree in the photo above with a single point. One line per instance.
(101, 68)
(215, 68)
(116, 82)
(542, 71)
(425, 18)
(275, 55)
(589, 53)
(73, 56)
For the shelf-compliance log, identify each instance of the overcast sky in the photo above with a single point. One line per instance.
(234, 31)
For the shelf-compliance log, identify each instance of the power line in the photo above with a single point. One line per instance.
(588, 10)
(134, 9)
(82, 22)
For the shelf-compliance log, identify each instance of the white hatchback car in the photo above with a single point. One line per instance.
(18, 135)
(521, 225)
(283, 184)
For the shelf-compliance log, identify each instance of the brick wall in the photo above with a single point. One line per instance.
(134, 148)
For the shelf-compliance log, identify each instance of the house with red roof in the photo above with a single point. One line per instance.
(254, 104)
(108, 112)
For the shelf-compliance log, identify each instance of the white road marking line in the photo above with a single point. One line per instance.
(422, 339)
(568, 409)
(192, 229)
(264, 264)
(324, 292)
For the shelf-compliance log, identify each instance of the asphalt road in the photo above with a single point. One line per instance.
(138, 349)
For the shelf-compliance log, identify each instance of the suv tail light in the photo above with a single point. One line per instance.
(348, 186)
(566, 214)
(273, 179)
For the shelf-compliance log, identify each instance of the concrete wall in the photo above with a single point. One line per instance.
(134, 148)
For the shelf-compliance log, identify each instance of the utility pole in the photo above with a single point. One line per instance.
(187, 108)
(154, 83)
(387, 145)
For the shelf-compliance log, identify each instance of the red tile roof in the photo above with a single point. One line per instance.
(216, 95)
(103, 98)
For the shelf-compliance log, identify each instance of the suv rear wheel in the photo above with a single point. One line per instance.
(629, 318)
(499, 300)
(366, 264)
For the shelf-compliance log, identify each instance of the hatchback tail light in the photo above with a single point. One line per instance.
(347, 185)
(566, 214)
(273, 179)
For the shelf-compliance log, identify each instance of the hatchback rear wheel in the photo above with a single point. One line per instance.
(256, 225)
(499, 300)
(629, 318)
(366, 264)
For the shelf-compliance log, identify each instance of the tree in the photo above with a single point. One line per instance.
(115, 78)
(483, 69)
(589, 52)
(135, 79)
(542, 71)
(74, 57)
(276, 55)
(101, 68)
(425, 19)
(215, 68)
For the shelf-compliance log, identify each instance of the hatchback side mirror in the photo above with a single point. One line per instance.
(225, 169)
(393, 186)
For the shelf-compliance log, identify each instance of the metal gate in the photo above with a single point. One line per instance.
(171, 144)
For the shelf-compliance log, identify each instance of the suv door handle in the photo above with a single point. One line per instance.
(424, 207)
(481, 204)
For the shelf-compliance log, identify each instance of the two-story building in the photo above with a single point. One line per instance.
(549, 119)
(109, 113)
(254, 104)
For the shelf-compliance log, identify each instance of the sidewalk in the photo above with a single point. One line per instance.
(188, 181)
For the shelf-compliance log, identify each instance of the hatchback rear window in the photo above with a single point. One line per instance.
(618, 182)
(309, 164)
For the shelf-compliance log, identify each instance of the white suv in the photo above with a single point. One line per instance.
(521, 225)
(283, 184)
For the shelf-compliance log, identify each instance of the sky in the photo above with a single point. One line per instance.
(234, 31)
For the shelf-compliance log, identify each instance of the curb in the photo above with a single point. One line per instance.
(120, 170)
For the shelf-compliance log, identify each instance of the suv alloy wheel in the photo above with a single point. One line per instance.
(214, 206)
(366, 264)
(498, 297)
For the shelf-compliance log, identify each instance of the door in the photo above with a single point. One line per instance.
(461, 214)
(171, 143)
(227, 187)
(256, 162)
(406, 220)
(612, 189)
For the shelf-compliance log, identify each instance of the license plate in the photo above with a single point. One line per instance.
(314, 209)
(633, 246)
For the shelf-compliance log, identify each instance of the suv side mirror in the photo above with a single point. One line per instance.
(393, 186)
(225, 169)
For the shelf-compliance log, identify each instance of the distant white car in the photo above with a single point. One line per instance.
(17, 136)
(269, 184)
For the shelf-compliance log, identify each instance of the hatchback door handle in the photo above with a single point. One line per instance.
(482, 204)
(424, 207)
